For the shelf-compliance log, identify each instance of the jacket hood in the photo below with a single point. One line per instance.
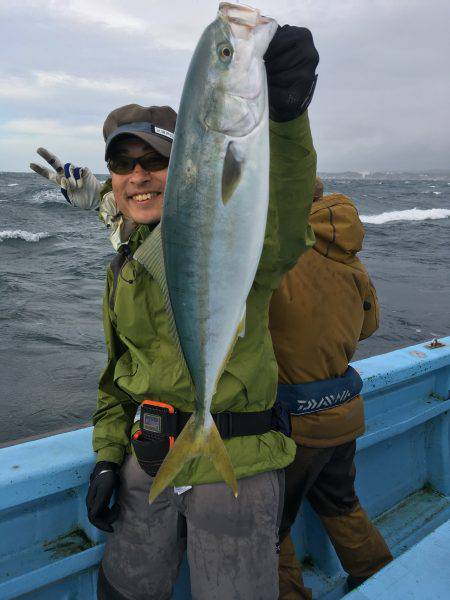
(337, 227)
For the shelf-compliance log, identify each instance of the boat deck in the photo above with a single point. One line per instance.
(421, 573)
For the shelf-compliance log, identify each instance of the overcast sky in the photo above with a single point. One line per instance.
(382, 100)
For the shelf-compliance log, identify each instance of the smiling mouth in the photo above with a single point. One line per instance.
(144, 197)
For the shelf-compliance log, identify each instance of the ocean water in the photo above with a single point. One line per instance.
(53, 261)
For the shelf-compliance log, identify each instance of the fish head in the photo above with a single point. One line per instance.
(236, 99)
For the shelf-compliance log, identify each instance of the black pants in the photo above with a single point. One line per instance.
(326, 476)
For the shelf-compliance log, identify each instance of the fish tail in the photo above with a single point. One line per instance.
(215, 448)
(192, 442)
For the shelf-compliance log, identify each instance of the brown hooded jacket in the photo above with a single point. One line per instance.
(323, 306)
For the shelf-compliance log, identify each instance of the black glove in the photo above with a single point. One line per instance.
(291, 60)
(103, 482)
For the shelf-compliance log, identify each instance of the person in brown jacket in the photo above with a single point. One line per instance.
(323, 307)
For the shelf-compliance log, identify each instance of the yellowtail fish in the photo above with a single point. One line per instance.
(215, 211)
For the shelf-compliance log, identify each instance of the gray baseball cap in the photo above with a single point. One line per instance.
(153, 124)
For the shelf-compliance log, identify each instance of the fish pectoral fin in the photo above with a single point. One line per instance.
(232, 170)
(194, 441)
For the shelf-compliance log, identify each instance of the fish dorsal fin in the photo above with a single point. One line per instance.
(150, 256)
(232, 169)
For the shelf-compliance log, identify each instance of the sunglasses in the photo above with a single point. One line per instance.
(122, 165)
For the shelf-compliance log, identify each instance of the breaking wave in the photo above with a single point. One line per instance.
(19, 234)
(412, 214)
(12, 184)
(51, 196)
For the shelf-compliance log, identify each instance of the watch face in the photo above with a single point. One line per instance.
(152, 423)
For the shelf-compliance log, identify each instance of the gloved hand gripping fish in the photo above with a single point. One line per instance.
(215, 211)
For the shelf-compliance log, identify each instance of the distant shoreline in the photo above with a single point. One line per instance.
(431, 174)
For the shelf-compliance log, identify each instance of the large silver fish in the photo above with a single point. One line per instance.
(215, 211)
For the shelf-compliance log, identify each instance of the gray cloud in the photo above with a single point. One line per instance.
(381, 102)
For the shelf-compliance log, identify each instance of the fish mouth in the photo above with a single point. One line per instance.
(241, 18)
(242, 15)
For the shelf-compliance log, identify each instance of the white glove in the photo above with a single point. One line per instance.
(78, 185)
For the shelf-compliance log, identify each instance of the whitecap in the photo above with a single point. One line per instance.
(437, 193)
(412, 214)
(19, 234)
(47, 196)
(12, 184)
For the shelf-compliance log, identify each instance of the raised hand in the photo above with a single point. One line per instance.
(291, 60)
(78, 185)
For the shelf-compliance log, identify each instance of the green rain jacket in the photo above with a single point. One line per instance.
(142, 357)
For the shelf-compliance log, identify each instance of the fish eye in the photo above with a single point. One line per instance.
(225, 52)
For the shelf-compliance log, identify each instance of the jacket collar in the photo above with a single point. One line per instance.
(122, 231)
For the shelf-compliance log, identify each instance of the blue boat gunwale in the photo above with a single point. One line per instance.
(404, 364)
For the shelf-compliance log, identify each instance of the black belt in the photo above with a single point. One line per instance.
(160, 423)
(232, 424)
(229, 424)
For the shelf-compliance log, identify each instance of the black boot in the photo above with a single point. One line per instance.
(354, 582)
(105, 590)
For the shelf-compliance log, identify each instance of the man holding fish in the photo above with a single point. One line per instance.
(186, 315)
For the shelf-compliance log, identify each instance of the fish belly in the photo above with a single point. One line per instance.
(211, 252)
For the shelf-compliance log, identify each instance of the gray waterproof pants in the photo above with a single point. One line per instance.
(231, 542)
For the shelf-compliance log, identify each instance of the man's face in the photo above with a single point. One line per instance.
(140, 194)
